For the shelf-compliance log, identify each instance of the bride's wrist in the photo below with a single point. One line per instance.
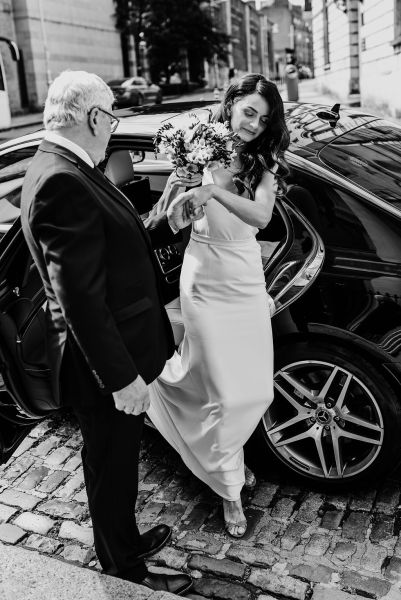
(212, 189)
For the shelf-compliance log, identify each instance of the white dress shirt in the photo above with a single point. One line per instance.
(60, 140)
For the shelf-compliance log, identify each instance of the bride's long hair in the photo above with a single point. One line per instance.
(268, 148)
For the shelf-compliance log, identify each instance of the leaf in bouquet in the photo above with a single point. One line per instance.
(194, 123)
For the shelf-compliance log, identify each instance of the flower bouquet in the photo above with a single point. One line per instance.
(203, 145)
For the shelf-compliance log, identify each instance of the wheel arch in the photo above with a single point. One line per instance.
(389, 368)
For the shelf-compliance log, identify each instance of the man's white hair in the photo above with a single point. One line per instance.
(71, 95)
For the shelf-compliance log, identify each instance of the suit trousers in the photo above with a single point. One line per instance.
(110, 458)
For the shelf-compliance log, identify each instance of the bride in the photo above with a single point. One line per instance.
(212, 393)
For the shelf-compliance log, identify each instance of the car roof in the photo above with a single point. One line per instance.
(117, 81)
(309, 133)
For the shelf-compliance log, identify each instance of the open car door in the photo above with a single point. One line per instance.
(26, 387)
(292, 255)
(24, 375)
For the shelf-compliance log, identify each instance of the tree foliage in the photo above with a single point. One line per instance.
(173, 31)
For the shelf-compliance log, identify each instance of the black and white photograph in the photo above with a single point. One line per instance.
(200, 299)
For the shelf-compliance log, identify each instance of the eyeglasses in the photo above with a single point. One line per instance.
(114, 121)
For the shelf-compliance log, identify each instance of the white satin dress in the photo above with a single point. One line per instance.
(212, 393)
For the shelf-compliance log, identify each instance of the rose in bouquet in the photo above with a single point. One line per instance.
(202, 145)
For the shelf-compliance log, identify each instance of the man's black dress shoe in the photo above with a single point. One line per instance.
(153, 540)
(175, 584)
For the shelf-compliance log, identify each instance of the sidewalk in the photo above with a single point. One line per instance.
(307, 91)
(28, 575)
(19, 121)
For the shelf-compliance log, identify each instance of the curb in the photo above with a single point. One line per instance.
(21, 125)
(28, 574)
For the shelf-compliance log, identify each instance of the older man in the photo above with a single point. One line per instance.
(109, 335)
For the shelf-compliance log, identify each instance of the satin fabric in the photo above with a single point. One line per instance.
(212, 393)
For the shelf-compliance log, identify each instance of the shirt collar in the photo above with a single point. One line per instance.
(60, 140)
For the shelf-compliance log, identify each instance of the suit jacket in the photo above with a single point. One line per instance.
(105, 314)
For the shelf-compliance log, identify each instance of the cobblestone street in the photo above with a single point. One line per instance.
(300, 544)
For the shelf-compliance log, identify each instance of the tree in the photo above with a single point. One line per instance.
(175, 32)
(129, 21)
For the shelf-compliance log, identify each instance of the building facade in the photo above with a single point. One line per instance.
(251, 48)
(292, 35)
(336, 47)
(11, 79)
(53, 36)
(380, 51)
(357, 52)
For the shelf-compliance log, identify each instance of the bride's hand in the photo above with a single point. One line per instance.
(197, 197)
(184, 178)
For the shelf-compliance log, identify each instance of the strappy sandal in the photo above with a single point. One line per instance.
(250, 479)
(228, 524)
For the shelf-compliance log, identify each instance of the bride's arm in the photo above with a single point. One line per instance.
(174, 186)
(256, 213)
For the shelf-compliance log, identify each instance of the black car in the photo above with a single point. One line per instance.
(332, 259)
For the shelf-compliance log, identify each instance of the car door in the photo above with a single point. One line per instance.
(22, 340)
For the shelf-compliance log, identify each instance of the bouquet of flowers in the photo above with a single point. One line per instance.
(202, 145)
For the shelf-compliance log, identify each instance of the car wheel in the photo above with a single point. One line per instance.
(334, 417)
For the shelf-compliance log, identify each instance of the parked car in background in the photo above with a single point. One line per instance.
(332, 262)
(135, 91)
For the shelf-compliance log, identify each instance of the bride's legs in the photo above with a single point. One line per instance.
(250, 479)
(234, 518)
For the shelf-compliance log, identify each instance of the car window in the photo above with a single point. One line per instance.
(346, 221)
(13, 166)
(370, 156)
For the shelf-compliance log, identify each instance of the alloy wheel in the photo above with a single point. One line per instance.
(323, 421)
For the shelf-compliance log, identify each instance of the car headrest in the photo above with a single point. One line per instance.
(119, 167)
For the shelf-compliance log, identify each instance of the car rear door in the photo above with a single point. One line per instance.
(292, 253)
(22, 339)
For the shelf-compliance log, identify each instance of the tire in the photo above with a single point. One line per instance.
(326, 394)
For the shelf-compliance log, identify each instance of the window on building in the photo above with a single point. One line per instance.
(397, 25)
(326, 34)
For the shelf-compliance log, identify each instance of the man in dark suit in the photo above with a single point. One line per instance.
(108, 333)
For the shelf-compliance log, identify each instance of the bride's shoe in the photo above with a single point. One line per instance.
(250, 479)
(236, 530)
(232, 509)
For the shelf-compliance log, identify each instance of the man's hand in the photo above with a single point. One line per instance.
(198, 196)
(188, 206)
(134, 398)
(179, 212)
